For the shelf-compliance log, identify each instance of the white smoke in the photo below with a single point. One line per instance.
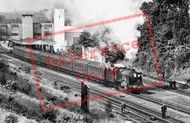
(89, 11)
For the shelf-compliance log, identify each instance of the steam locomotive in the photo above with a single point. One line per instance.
(120, 77)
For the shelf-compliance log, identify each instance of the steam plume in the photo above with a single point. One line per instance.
(88, 11)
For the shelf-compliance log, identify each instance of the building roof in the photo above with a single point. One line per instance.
(27, 14)
(46, 42)
(37, 42)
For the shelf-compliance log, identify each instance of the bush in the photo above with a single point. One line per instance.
(3, 66)
(31, 104)
(11, 119)
(97, 114)
(68, 117)
(27, 70)
(50, 115)
(3, 79)
(87, 119)
(24, 86)
(45, 121)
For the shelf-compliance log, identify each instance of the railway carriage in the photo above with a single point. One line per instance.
(117, 76)
(80, 66)
(96, 70)
(65, 63)
(111, 74)
(42, 58)
(22, 53)
(37, 56)
(52, 61)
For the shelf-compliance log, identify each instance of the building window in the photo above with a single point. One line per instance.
(15, 26)
(14, 34)
(47, 27)
(75, 39)
(4, 26)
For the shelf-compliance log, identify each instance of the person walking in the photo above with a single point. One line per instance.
(123, 107)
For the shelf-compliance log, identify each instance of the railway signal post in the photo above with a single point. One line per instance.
(164, 110)
(84, 97)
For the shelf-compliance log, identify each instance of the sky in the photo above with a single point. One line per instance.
(89, 11)
(11, 5)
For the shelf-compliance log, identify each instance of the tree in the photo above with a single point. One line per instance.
(76, 49)
(86, 40)
(4, 34)
(170, 22)
(114, 53)
(13, 20)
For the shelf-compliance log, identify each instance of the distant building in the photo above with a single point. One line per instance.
(5, 32)
(27, 26)
(47, 30)
(71, 37)
(59, 27)
(55, 33)
(37, 31)
(16, 32)
(43, 31)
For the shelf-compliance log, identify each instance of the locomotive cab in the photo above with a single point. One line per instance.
(130, 79)
(135, 80)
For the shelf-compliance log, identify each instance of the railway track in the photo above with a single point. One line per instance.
(180, 91)
(133, 108)
(181, 108)
(175, 106)
(177, 90)
(137, 110)
(183, 92)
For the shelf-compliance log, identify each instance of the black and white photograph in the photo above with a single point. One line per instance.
(95, 61)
